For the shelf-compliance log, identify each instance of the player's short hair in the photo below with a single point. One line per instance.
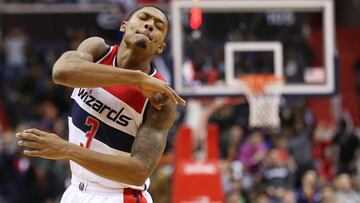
(144, 6)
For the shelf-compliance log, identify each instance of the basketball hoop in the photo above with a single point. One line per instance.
(263, 92)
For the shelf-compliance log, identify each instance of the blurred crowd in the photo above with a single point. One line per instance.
(304, 161)
(30, 99)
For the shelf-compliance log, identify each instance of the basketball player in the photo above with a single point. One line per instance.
(115, 137)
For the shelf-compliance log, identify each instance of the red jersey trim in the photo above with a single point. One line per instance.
(108, 59)
(133, 196)
(131, 95)
(105, 56)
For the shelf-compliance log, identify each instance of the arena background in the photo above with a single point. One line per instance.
(212, 154)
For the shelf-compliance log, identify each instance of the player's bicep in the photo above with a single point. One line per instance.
(89, 50)
(151, 138)
(74, 56)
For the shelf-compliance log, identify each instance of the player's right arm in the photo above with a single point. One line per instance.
(78, 69)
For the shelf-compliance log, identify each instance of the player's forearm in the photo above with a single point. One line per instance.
(115, 167)
(80, 73)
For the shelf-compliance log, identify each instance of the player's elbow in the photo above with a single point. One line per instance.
(67, 67)
(58, 73)
(138, 180)
(139, 175)
(62, 71)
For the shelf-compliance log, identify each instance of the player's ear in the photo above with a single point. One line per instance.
(161, 48)
(123, 26)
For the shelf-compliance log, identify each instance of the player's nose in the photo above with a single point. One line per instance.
(149, 27)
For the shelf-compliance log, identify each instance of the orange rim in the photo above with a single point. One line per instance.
(257, 82)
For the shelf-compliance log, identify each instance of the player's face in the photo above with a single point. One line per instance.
(147, 29)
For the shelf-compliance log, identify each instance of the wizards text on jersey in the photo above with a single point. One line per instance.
(99, 106)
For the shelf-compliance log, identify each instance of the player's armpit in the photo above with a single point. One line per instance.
(150, 140)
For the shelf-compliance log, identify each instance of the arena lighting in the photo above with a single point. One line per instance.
(195, 17)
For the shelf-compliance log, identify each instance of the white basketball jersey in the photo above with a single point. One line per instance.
(106, 120)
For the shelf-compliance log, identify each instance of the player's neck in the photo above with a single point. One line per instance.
(130, 59)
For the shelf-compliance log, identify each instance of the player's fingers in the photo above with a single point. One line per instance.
(30, 144)
(149, 94)
(28, 136)
(170, 94)
(180, 100)
(32, 153)
(35, 131)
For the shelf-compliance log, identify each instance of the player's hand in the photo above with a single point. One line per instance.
(151, 86)
(42, 144)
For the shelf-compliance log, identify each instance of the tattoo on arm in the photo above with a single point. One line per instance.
(150, 141)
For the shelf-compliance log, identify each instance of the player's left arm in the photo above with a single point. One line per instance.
(150, 141)
(147, 149)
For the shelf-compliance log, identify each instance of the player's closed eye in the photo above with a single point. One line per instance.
(143, 16)
(159, 27)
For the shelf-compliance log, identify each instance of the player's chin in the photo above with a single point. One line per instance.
(142, 43)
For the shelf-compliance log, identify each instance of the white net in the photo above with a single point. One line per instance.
(263, 95)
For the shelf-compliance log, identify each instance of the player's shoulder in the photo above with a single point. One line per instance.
(96, 46)
(94, 41)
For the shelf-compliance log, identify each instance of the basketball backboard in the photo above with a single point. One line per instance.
(289, 38)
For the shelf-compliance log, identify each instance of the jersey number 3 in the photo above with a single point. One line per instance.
(94, 126)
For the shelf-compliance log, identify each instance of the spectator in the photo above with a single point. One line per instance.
(231, 142)
(15, 68)
(277, 176)
(235, 197)
(346, 144)
(276, 173)
(328, 196)
(288, 197)
(322, 151)
(309, 192)
(260, 198)
(344, 191)
(15, 43)
(253, 151)
(303, 157)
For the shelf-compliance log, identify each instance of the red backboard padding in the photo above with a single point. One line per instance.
(193, 180)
